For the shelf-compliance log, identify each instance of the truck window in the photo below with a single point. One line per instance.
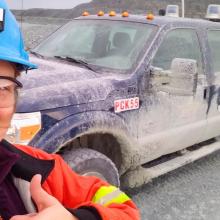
(178, 43)
(214, 43)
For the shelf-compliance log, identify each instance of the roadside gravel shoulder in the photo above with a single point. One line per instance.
(189, 193)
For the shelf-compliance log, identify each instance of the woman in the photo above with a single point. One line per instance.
(34, 184)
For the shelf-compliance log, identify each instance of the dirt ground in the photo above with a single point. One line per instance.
(189, 193)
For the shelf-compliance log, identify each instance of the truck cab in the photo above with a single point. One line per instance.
(123, 97)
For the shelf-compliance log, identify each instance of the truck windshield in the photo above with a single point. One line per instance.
(103, 43)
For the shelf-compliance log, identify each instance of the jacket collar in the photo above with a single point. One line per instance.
(28, 166)
(7, 161)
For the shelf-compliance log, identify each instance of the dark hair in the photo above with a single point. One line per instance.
(17, 71)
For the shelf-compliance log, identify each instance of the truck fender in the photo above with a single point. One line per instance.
(83, 123)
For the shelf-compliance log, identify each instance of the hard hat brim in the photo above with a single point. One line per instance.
(25, 65)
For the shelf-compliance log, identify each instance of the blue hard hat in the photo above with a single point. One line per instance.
(11, 41)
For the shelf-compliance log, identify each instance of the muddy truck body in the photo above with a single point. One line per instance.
(124, 97)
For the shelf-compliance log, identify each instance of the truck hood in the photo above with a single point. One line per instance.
(57, 84)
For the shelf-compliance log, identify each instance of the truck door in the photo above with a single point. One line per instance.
(213, 128)
(174, 120)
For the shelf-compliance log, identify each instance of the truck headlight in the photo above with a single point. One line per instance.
(24, 127)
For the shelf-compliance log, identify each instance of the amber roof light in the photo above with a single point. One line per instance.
(150, 16)
(85, 13)
(112, 13)
(101, 13)
(125, 14)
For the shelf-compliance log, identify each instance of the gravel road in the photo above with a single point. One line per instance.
(189, 193)
(35, 33)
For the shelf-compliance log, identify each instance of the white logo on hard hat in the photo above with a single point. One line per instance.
(2, 14)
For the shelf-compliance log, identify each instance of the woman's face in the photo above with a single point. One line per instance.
(7, 97)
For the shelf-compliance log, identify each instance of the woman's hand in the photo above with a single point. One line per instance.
(49, 208)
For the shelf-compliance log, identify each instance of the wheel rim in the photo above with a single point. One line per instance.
(93, 173)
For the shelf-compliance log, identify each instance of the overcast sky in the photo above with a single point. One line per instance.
(17, 4)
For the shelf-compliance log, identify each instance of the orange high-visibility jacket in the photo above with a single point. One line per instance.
(73, 191)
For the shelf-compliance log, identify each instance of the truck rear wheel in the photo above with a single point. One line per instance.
(87, 162)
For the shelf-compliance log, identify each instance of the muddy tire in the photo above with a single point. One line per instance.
(89, 162)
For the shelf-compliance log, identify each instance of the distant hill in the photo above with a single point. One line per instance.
(194, 8)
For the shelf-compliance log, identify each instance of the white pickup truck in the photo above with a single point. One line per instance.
(213, 13)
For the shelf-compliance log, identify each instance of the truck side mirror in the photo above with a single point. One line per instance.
(184, 75)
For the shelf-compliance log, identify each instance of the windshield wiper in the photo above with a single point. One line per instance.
(36, 54)
(77, 61)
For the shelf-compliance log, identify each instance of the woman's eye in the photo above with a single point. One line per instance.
(5, 89)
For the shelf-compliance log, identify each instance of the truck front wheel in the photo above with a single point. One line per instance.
(87, 162)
